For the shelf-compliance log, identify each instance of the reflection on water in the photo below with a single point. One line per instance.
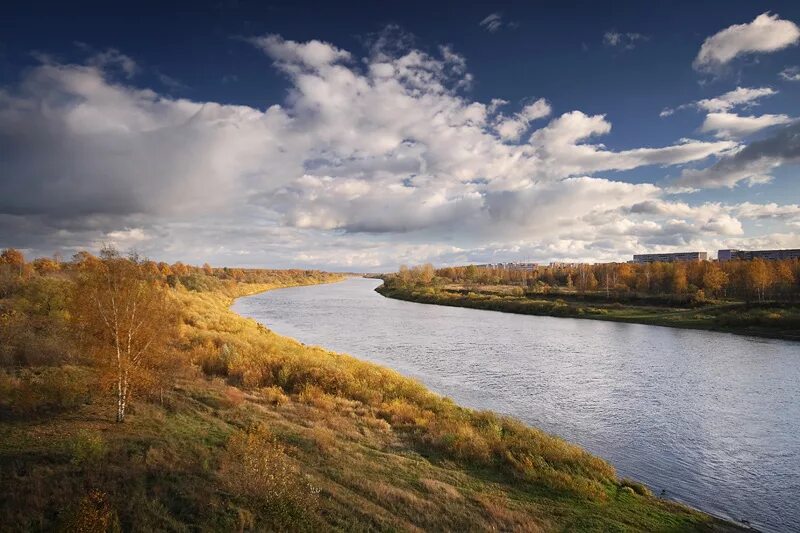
(713, 419)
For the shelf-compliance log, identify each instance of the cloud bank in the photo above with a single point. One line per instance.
(369, 161)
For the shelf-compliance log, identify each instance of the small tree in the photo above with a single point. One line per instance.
(13, 257)
(126, 320)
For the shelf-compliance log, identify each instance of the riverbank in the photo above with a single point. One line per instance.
(778, 321)
(351, 446)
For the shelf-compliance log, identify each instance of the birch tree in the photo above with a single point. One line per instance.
(125, 319)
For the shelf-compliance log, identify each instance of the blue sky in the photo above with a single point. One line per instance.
(209, 131)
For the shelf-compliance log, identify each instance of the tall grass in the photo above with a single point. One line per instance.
(252, 357)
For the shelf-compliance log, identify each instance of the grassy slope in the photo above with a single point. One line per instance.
(778, 321)
(373, 450)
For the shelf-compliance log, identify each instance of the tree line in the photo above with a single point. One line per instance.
(112, 312)
(754, 280)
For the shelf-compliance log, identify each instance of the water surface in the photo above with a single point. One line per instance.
(712, 419)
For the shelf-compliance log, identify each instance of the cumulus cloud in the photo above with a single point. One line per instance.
(75, 143)
(368, 161)
(562, 152)
(789, 213)
(752, 164)
(113, 58)
(766, 33)
(510, 128)
(292, 55)
(731, 125)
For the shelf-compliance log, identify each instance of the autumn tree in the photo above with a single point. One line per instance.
(126, 320)
(759, 277)
(45, 265)
(714, 280)
(785, 278)
(679, 281)
(13, 258)
(426, 274)
(586, 280)
(179, 269)
(627, 276)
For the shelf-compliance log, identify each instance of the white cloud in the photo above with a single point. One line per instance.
(789, 213)
(368, 162)
(562, 153)
(492, 22)
(625, 41)
(510, 128)
(767, 33)
(313, 54)
(752, 164)
(732, 126)
(744, 97)
(741, 96)
(790, 74)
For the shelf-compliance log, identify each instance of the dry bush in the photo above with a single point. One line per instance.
(402, 413)
(38, 390)
(459, 440)
(233, 397)
(377, 424)
(313, 395)
(324, 439)
(256, 468)
(274, 395)
(93, 513)
(635, 486)
(209, 358)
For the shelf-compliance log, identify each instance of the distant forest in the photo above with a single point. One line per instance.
(756, 280)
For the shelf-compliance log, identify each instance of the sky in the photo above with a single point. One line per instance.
(361, 136)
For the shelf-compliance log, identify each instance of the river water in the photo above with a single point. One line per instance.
(711, 419)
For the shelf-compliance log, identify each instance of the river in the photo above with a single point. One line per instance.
(711, 419)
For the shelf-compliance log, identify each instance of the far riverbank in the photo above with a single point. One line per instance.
(770, 320)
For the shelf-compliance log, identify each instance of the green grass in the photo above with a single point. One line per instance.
(352, 446)
(780, 321)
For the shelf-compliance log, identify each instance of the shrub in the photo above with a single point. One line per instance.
(233, 397)
(313, 395)
(38, 390)
(324, 439)
(400, 412)
(635, 486)
(86, 448)
(459, 440)
(93, 513)
(256, 468)
(274, 395)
